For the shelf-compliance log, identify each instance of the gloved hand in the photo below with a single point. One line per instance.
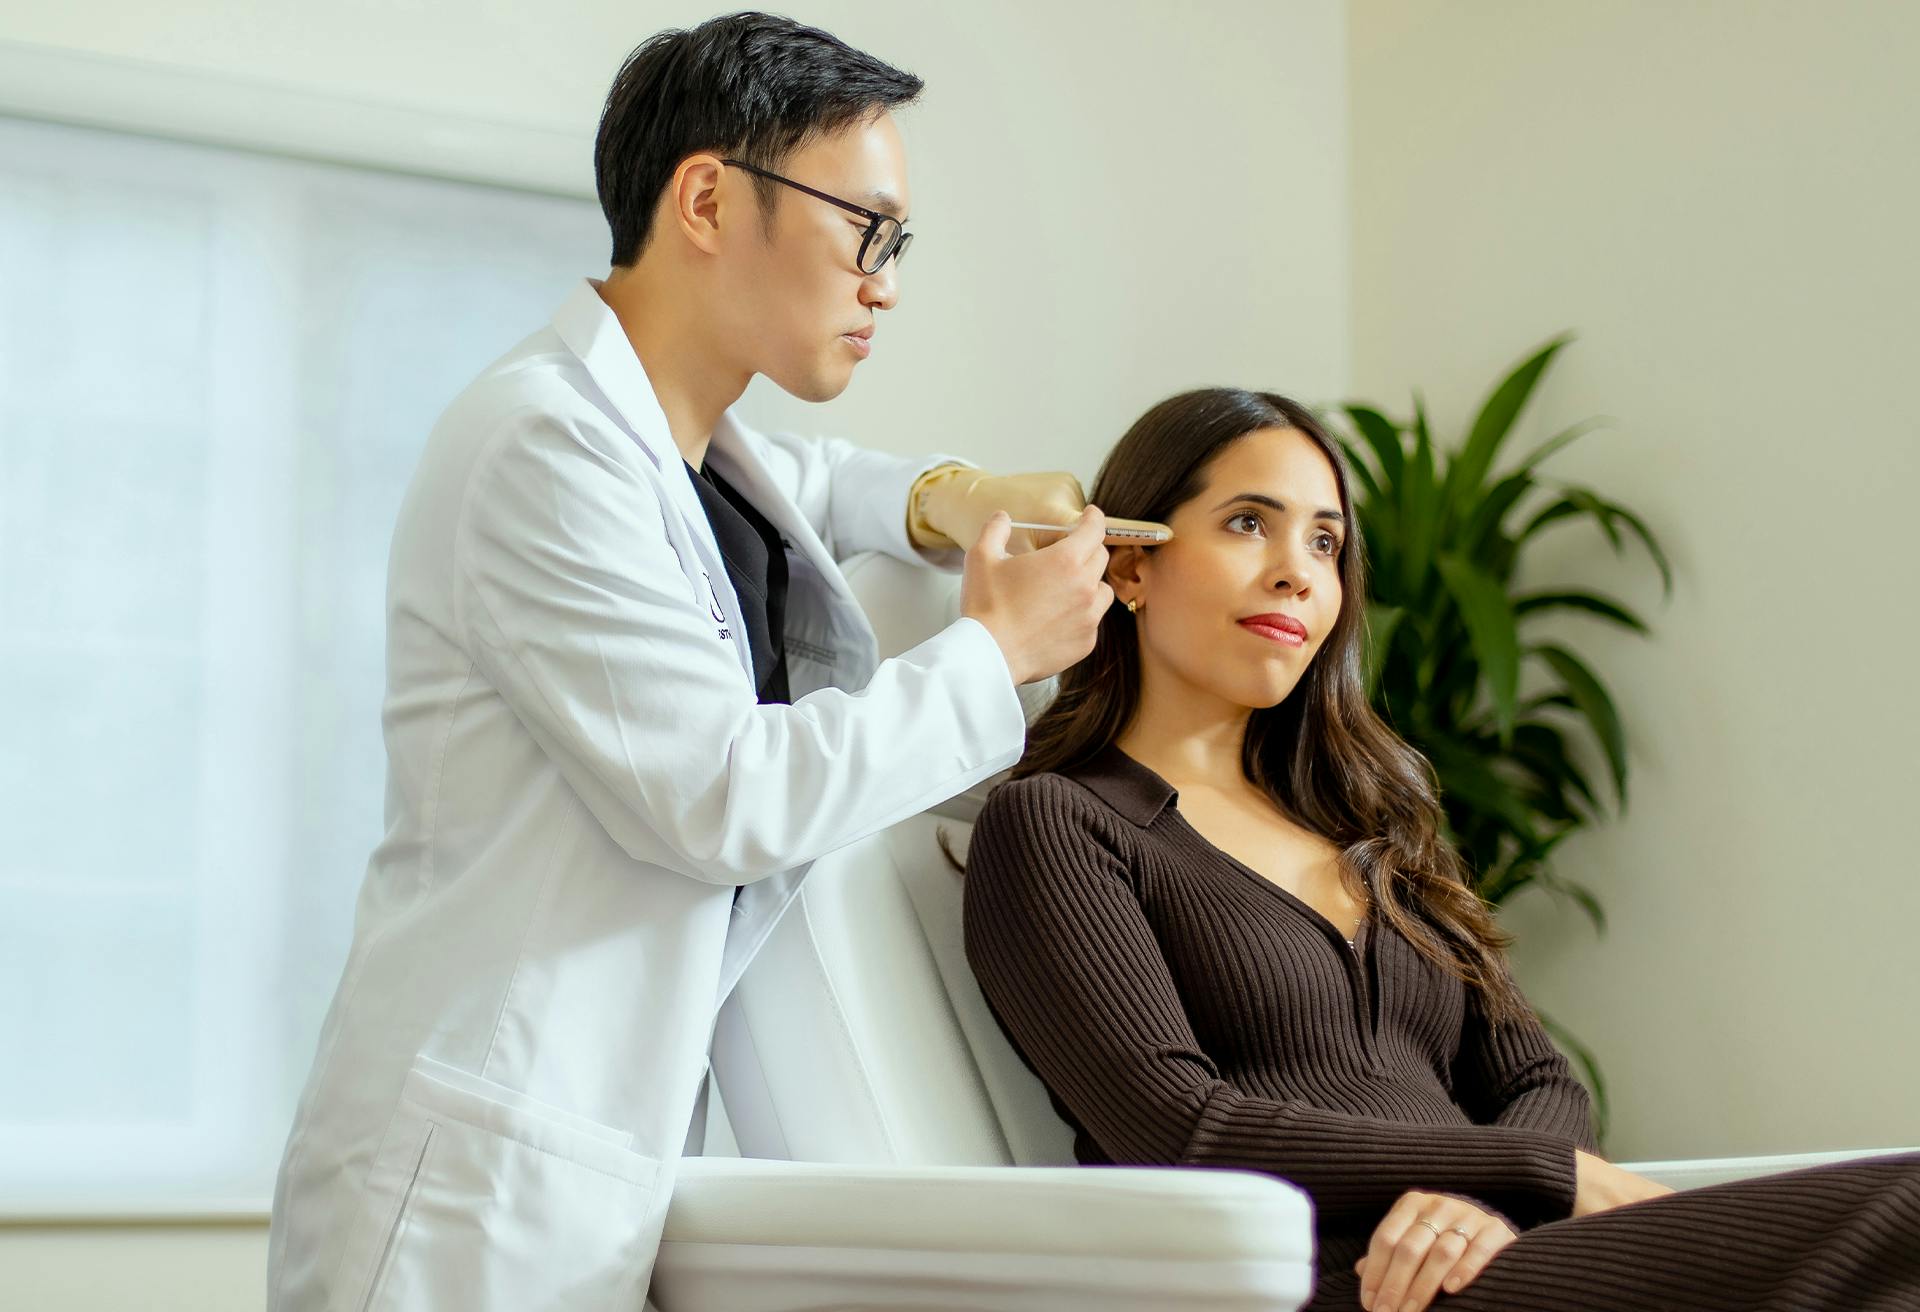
(950, 504)
(1043, 608)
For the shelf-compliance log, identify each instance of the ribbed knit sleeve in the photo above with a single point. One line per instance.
(1513, 1075)
(1070, 964)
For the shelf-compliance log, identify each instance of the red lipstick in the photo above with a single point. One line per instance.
(1275, 627)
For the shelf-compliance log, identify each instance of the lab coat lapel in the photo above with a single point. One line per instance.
(593, 332)
(740, 466)
(756, 911)
(761, 903)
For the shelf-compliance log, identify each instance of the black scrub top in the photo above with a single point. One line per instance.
(756, 560)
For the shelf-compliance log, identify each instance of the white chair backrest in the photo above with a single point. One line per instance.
(859, 1035)
(907, 605)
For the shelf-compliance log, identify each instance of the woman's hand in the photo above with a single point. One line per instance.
(1599, 1185)
(1427, 1242)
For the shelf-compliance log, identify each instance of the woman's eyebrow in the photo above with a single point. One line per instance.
(1261, 499)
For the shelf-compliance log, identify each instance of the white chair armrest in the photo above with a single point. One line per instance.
(1693, 1174)
(745, 1235)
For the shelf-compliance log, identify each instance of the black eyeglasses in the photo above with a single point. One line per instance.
(885, 238)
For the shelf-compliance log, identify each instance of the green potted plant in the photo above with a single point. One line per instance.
(1452, 647)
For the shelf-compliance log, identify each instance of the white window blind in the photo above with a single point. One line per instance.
(216, 372)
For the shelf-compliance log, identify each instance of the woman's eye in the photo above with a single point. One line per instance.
(1326, 542)
(1245, 517)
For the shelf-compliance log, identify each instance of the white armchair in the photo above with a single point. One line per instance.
(859, 1045)
(910, 1160)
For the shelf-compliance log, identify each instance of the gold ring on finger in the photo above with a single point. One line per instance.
(1429, 1225)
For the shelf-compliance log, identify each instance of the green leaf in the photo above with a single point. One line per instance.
(1492, 510)
(1610, 515)
(1542, 749)
(1525, 865)
(1560, 699)
(1589, 504)
(1595, 705)
(1382, 621)
(1639, 529)
(1565, 437)
(1591, 602)
(1468, 470)
(1420, 507)
(1582, 896)
(1358, 468)
(1383, 436)
(1490, 626)
(1422, 432)
(1589, 1067)
(1499, 884)
(1466, 776)
(1551, 514)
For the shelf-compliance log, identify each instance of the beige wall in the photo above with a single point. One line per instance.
(1714, 195)
(1719, 198)
(117, 1268)
(1111, 202)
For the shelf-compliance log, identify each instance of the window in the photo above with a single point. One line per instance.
(216, 372)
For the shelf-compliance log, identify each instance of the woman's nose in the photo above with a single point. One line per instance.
(1287, 572)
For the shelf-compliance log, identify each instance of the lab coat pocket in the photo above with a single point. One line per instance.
(510, 1203)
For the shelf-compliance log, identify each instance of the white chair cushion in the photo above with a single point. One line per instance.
(776, 1236)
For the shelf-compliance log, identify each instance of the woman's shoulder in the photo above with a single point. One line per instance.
(1037, 835)
(1047, 820)
(1047, 799)
(1108, 790)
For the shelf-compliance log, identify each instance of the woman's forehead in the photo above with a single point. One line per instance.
(1282, 463)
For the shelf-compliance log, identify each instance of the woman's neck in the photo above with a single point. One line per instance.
(1188, 738)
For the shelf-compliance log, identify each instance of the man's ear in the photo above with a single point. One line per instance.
(693, 195)
(1126, 573)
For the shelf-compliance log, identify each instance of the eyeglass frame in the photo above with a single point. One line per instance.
(873, 217)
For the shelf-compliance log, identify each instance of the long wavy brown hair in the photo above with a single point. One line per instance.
(1322, 755)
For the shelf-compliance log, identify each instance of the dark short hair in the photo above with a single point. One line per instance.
(750, 85)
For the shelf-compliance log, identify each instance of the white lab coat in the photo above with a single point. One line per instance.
(578, 777)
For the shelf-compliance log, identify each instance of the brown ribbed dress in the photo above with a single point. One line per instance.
(1184, 1011)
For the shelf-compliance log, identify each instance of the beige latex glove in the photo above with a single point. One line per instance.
(950, 504)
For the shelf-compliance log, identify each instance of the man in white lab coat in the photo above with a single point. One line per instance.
(630, 698)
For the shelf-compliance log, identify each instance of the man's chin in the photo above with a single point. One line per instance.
(821, 385)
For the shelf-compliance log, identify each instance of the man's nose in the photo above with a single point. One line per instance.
(881, 290)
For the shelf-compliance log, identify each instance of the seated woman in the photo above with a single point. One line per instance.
(1217, 915)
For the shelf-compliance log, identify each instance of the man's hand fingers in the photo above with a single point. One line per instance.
(994, 534)
(1089, 535)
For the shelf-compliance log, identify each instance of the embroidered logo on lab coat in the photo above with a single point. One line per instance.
(719, 615)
